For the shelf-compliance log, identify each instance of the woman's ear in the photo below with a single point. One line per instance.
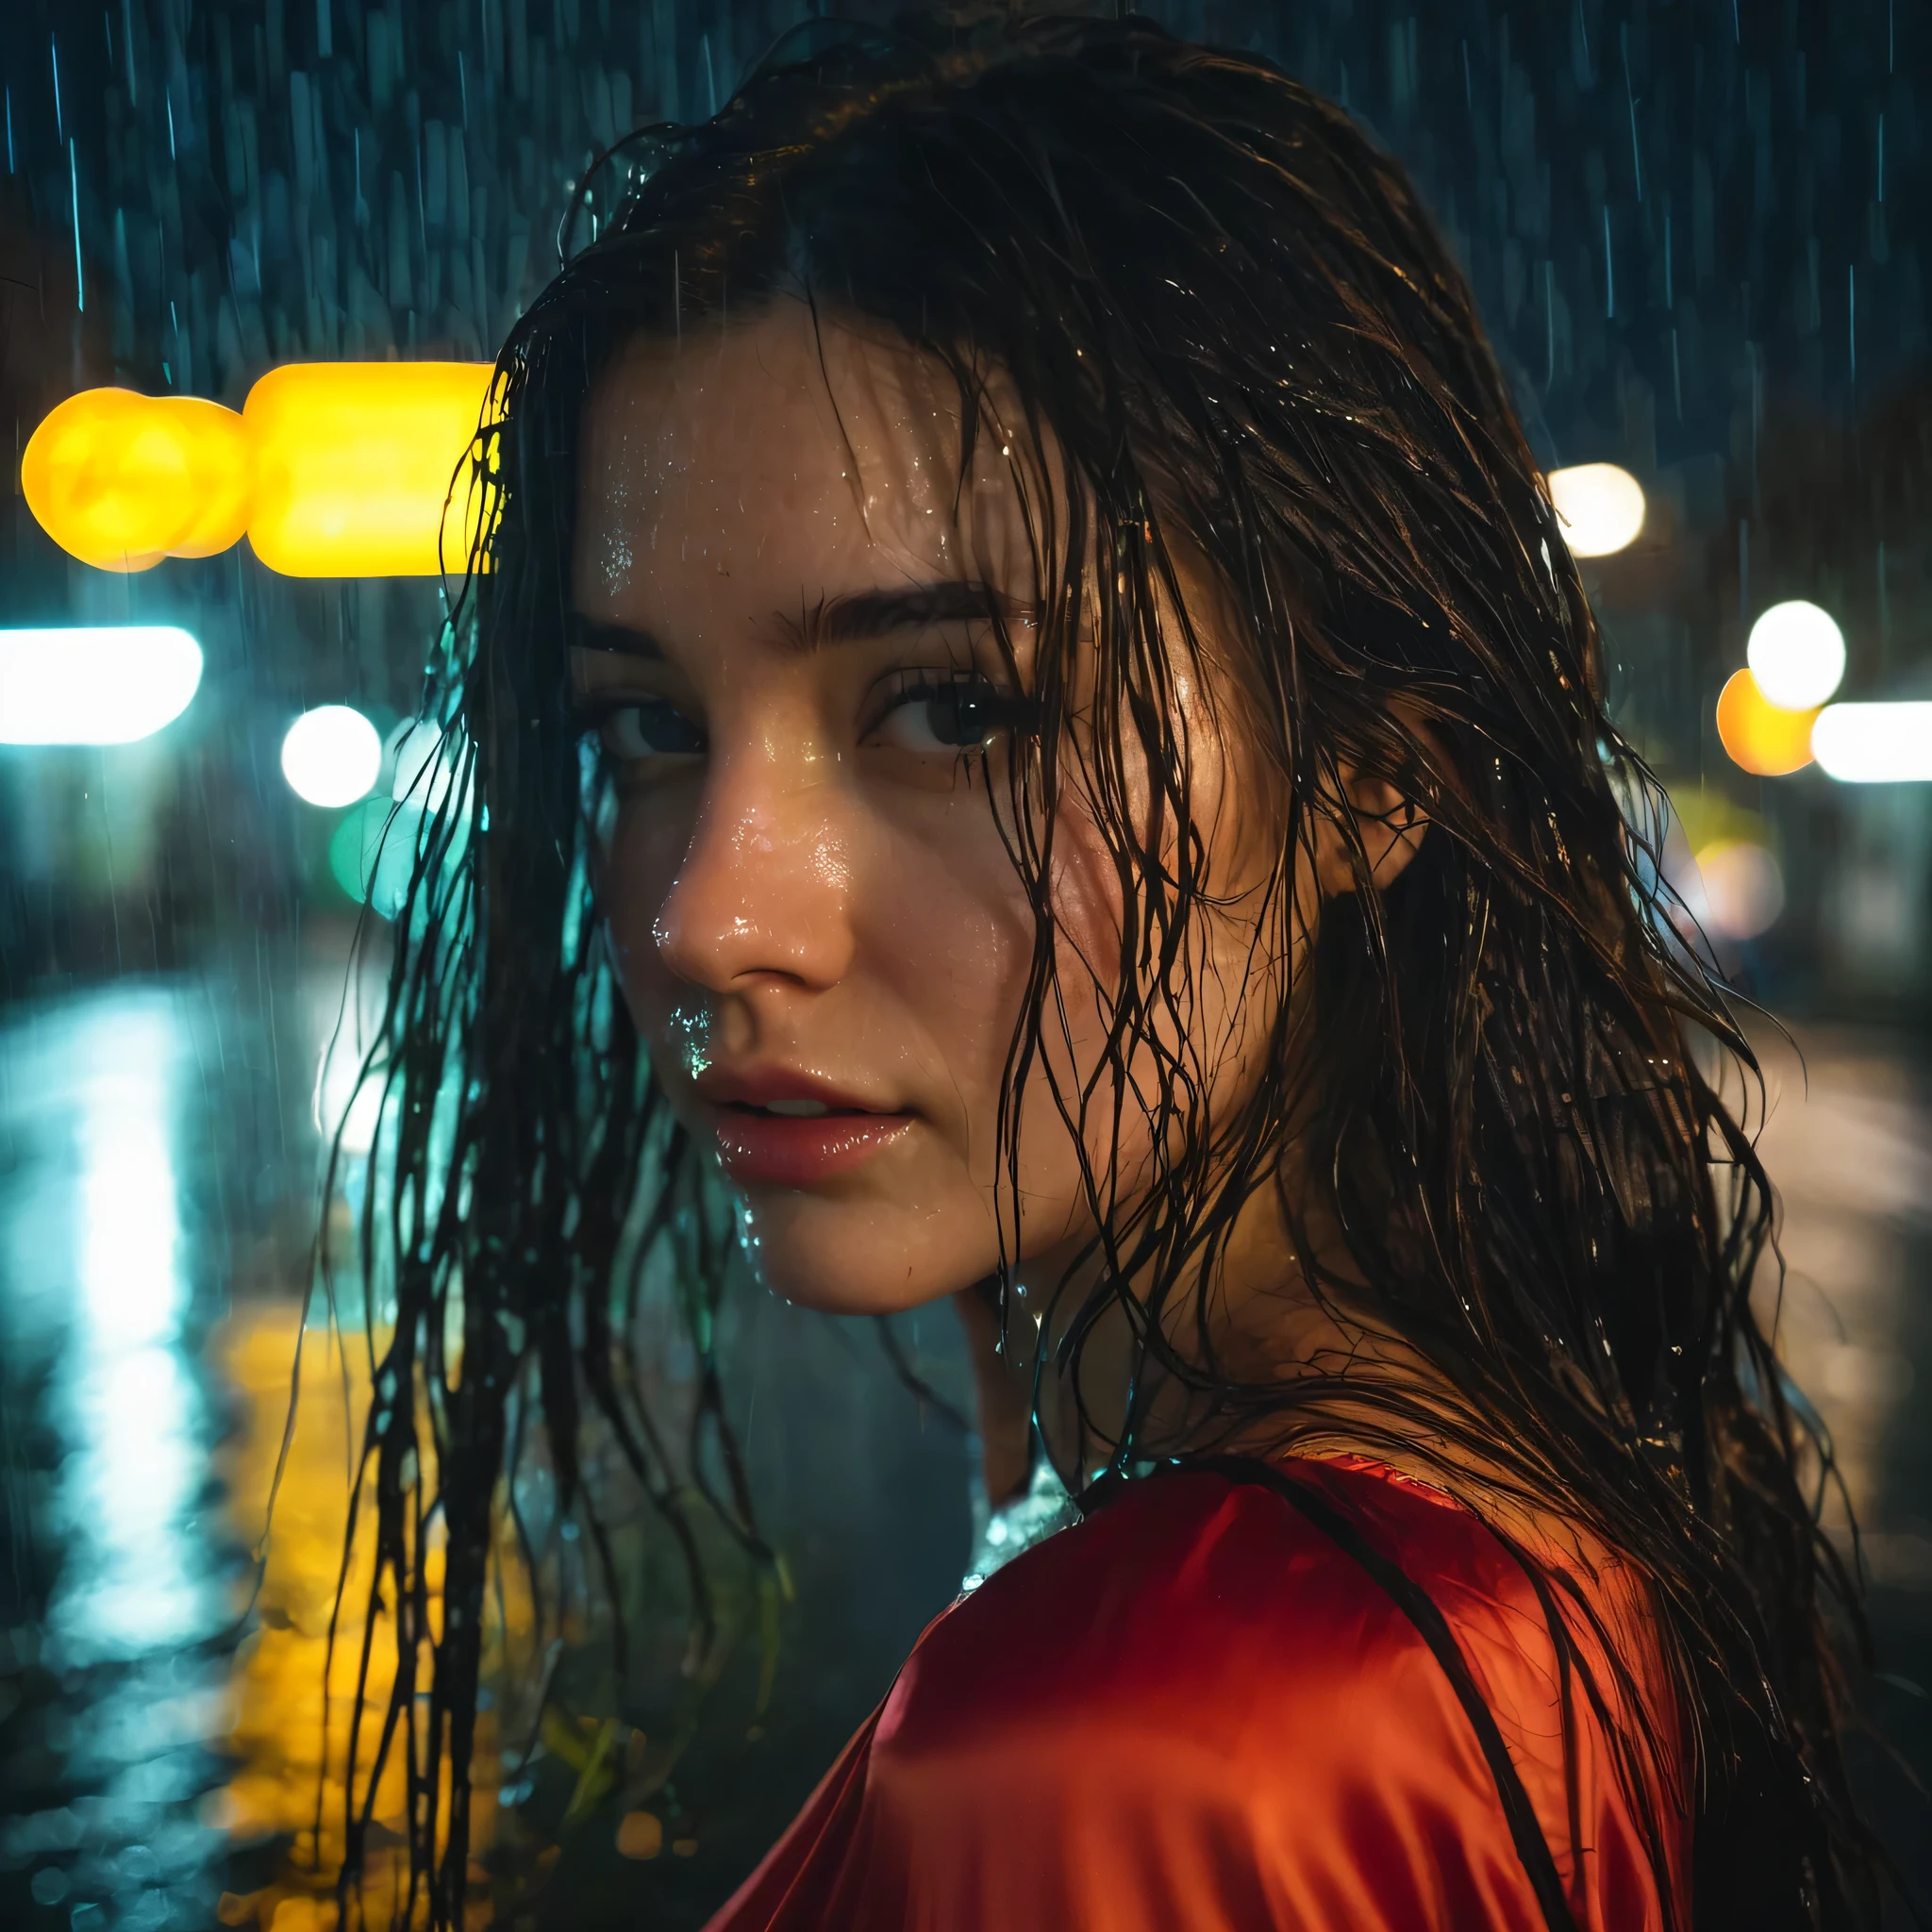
(1390, 826)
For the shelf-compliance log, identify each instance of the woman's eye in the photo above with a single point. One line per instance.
(648, 729)
(933, 714)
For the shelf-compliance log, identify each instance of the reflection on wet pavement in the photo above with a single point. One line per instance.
(163, 1757)
(161, 1735)
(160, 1159)
(124, 1202)
(290, 1694)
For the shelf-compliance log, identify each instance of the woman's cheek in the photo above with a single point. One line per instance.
(944, 933)
(953, 927)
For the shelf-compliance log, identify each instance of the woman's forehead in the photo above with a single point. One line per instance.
(788, 445)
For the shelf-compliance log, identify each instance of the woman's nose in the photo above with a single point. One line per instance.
(761, 895)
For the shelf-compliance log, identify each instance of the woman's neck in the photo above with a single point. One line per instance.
(1264, 1323)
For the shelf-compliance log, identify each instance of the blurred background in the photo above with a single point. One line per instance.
(1697, 228)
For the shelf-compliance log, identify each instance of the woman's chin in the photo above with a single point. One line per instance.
(858, 1256)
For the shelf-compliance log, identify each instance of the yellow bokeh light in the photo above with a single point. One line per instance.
(121, 480)
(1758, 736)
(332, 469)
(354, 467)
(222, 476)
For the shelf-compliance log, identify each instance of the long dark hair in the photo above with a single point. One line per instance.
(1219, 319)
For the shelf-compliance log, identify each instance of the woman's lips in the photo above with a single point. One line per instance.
(761, 1149)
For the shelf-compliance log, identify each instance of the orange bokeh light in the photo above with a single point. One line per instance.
(332, 469)
(1758, 736)
(223, 475)
(121, 480)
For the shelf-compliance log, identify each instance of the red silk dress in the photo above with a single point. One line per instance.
(1194, 1713)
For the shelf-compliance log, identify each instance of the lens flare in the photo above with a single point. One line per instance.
(99, 685)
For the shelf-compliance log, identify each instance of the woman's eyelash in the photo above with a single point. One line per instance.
(1001, 707)
(631, 726)
(964, 711)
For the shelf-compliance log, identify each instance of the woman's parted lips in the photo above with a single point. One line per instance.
(783, 1092)
(777, 1128)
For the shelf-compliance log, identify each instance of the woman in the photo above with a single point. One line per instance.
(1024, 642)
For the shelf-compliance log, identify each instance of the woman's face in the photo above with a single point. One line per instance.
(820, 932)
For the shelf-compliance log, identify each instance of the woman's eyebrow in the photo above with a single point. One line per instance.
(852, 617)
(858, 615)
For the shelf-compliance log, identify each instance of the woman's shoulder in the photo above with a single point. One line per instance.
(1197, 1711)
(1201, 1655)
(1198, 1601)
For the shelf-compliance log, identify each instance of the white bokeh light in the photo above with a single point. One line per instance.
(332, 756)
(1797, 655)
(1874, 745)
(1599, 507)
(102, 684)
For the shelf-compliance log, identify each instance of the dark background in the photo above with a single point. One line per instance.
(1697, 230)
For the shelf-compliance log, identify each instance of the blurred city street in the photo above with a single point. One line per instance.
(1849, 1142)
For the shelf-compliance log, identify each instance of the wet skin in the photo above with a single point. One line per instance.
(819, 930)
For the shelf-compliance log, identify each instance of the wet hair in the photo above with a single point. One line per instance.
(1209, 317)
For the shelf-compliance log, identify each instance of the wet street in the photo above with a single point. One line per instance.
(162, 1739)
(152, 1135)
(162, 1748)
(1849, 1144)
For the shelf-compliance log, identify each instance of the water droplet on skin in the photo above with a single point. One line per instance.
(688, 1033)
